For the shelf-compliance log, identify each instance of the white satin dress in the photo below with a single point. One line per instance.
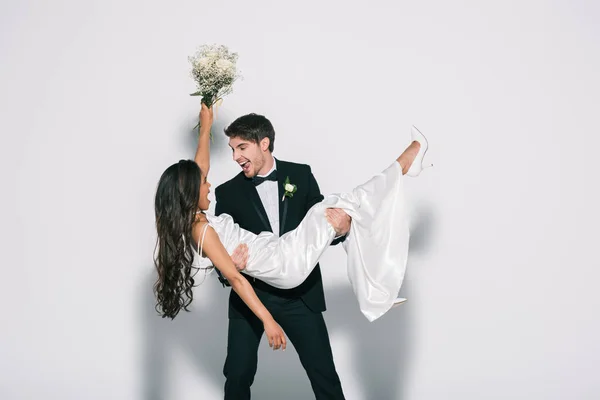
(377, 244)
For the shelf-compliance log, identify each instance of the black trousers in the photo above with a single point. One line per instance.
(303, 327)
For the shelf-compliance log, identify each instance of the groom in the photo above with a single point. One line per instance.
(257, 200)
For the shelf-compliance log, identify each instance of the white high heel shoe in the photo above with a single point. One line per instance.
(417, 165)
(398, 301)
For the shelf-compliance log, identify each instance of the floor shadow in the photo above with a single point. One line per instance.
(380, 349)
(200, 334)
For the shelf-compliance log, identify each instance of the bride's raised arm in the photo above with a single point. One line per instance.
(202, 157)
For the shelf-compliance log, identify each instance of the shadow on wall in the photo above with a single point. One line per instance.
(200, 335)
(219, 148)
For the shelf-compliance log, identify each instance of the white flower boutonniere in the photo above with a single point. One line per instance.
(289, 188)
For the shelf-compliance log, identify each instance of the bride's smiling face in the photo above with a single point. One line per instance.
(203, 201)
(250, 156)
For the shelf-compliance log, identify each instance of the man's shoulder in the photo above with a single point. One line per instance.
(293, 165)
(232, 183)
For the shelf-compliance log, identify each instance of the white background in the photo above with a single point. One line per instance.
(504, 269)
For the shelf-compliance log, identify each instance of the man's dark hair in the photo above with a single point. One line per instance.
(253, 128)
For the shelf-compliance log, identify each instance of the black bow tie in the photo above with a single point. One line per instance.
(260, 179)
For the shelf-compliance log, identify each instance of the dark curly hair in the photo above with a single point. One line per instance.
(175, 206)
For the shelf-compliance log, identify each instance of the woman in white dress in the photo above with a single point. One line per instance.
(190, 239)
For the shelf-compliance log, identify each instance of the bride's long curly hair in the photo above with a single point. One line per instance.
(175, 207)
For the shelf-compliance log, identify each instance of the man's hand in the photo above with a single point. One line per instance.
(339, 220)
(240, 257)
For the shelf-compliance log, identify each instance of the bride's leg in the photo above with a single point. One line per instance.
(286, 261)
(408, 156)
(377, 274)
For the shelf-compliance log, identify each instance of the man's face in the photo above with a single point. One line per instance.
(250, 156)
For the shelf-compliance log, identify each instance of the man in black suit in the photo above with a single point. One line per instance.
(256, 199)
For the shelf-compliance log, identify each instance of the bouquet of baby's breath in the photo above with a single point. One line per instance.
(214, 71)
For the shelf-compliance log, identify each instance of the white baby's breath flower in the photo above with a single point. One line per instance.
(224, 64)
(214, 71)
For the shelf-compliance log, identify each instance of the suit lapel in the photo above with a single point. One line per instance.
(257, 205)
(282, 173)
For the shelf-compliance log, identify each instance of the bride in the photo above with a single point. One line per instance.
(189, 239)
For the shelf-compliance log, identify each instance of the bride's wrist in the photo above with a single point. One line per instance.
(204, 130)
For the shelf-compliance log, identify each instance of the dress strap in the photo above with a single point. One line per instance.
(201, 241)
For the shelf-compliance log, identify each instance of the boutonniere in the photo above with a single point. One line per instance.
(289, 188)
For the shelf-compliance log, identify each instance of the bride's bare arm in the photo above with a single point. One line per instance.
(202, 157)
(216, 252)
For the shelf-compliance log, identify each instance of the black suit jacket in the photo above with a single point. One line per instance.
(238, 197)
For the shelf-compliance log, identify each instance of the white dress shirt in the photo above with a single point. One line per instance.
(268, 191)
